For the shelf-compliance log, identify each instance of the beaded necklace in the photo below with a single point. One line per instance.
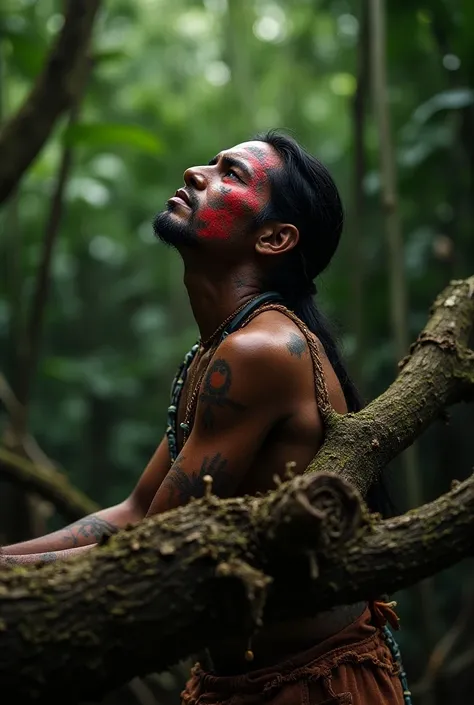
(231, 324)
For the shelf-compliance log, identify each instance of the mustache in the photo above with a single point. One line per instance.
(193, 199)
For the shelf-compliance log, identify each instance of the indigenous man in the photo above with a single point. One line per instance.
(254, 227)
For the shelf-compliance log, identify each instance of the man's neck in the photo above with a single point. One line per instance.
(214, 299)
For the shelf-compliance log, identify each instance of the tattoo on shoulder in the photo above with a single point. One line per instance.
(184, 485)
(90, 527)
(297, 345)
(215, 392)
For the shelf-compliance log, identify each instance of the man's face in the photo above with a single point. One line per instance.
(220, 200)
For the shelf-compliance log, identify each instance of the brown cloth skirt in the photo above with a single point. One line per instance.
(353, 666)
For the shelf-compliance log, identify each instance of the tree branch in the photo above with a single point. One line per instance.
(51, 484)
(438, 372)
(34, 470)
(206, 570)
(23, 135)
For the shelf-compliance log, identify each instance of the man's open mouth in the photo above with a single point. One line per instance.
(181, 195)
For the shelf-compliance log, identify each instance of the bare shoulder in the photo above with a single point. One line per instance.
(254, 368)
(271, 344)
(273, 348)
(276, 334)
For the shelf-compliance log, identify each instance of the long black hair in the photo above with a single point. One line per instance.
(304, 194)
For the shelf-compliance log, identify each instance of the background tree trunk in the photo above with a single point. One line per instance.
(63, 78)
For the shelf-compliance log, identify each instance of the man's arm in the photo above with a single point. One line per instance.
(49, 557)
(246, 390)
(91, 529)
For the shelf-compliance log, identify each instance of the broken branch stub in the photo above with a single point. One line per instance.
(319, 512)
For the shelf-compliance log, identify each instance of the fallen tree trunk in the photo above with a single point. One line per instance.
(62, 80)
(182, 580)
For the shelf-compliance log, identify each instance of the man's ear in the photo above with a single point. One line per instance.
(277, 238)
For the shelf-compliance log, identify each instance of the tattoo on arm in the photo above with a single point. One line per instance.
(296, 345)
(215, 393)
(183, 485)
(90, 527)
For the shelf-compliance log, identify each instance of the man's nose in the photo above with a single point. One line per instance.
(195, 177)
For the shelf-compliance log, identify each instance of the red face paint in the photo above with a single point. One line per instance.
(232, 204)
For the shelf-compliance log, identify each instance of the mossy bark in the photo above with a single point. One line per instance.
(191, 577)
(437, 372)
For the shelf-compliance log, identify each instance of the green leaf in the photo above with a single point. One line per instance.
(104, 134)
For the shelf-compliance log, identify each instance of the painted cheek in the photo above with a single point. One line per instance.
(214, 223)
(217, 222)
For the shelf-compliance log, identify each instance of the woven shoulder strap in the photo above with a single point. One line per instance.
(256, 303)
(322, 394)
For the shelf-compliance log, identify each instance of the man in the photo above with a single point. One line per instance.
(254, 227)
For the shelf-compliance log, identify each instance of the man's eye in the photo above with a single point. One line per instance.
(233, 174)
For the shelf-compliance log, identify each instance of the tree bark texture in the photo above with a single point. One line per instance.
(55, 91)
(188, 578)
(437, 372)
(191, 577)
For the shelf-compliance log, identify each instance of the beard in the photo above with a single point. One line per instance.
(173, 231)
